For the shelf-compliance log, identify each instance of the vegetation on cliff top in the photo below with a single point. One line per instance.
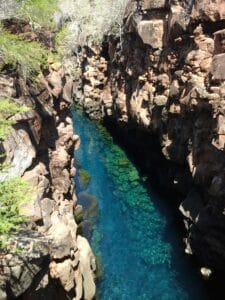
(77, 23)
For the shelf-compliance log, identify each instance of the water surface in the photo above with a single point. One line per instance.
(136, 233)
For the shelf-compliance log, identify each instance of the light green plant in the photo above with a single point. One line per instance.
(27, 57)
(39, 13)
(61, 39)
(13, 193)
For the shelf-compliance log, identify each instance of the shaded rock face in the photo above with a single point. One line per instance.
(163, 84)
(51, 260)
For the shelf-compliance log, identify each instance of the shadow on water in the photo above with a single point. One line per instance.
(136, 233)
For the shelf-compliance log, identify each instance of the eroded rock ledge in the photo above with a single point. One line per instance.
(52, 261)
(164, 83)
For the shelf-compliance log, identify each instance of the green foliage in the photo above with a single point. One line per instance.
(13, 193)
(25, 56)
(8, 109)
(61, 40)
(38, 12)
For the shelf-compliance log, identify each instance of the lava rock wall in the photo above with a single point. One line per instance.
(53, 261)
(163, 80)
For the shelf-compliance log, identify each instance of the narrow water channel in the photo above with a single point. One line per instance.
(135, 235)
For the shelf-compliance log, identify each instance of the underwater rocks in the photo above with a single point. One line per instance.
(163, 94)
(49, 260)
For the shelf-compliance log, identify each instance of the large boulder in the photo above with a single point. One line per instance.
(151, 32)
(87, 267)
(20, 153)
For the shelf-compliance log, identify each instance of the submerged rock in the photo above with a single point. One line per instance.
(90, 205)
(84, 179)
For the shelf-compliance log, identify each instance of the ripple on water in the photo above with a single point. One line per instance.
(135, 234)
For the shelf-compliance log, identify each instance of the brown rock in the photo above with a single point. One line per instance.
(151, 32)
(218, 67)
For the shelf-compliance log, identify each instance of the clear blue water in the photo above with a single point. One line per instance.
(136, 233)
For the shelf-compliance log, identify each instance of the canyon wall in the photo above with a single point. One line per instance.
(161, 86)
(47, 259)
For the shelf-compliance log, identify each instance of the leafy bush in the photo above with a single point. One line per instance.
(13, 192)
(20, 54)
(38, 12)
(61, 40)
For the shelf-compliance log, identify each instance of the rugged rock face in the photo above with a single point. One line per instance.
(52, 261)
(164, 83)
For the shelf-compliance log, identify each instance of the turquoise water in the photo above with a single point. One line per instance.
(135, 234)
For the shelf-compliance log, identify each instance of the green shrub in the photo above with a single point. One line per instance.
(25, 56)
(13, 193)
(38, 12)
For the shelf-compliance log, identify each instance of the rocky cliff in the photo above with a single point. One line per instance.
(50, 260)
(161, 84)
